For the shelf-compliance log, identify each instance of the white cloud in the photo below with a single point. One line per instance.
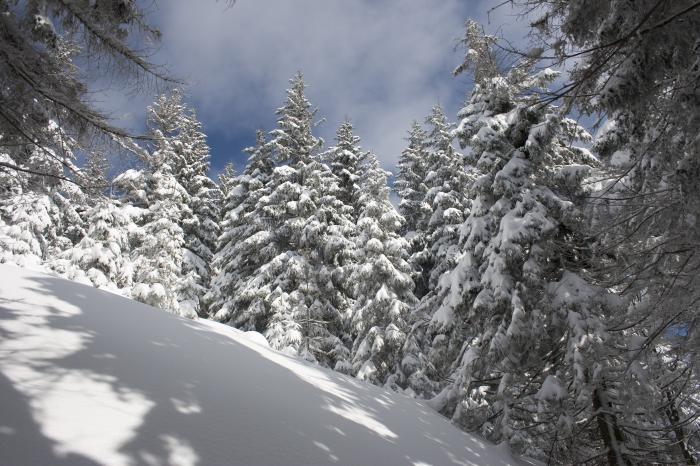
(381, 63)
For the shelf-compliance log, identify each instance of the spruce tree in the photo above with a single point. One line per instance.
(445, 204)
(94, 176)
(516, 247)
(636, 66)
(410, 180)
(102, 257)
(39, 215)
(28, 228)
(157, 203)
(304, 234)
(158, 279)
(381, 283)
(345, 158)
(245, 241)
(187, 146)
(227, 181)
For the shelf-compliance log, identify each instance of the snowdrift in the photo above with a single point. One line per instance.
(91, 378)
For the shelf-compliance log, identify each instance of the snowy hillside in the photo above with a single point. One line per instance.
(90, 378)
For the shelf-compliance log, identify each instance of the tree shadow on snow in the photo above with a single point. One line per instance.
(186, 394)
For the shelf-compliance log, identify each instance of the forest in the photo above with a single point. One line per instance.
(530, 269)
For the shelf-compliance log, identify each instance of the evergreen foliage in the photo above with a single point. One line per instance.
(381, 283)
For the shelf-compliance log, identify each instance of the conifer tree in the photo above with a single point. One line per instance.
(245, 241)
(304, 236)
(39, 212)
(158, 279)
(382, 283)
(94, 176)
(636, 65)
(410, 180)
(103, 257)
(445, 204)
(28, 228)
(345, 159)
(517, 245)
(227, 181)
(158, 204)
(190, 163)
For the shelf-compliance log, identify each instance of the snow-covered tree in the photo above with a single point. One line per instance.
(188, 155)
(445, 204)
(636, 65)
(202, 232)
(157, 203)
(245, 241)
(103, 257)
(381, 283)
(39, 213)
(410, 180)
(93, 176)
(44, 43)
(157, 259)
(519, 239)
(345, 158)
(227, 181)
(28, 228)
(304, 236)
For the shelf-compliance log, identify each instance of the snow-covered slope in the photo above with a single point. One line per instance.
(90, 378)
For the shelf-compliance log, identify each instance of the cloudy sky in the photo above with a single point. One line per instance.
(381, 63)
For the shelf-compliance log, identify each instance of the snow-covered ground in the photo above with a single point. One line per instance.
(91, 378)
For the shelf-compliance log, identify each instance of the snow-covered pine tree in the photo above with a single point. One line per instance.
(305, 238)
(411, 188)
(345, 158)
(410, 180)
(158, 279)
(190, 164)
(381, 282)
(28, 228)
(93, 176)
(200, 235)
(157, 203)
(519, 240)
(445, 203)
(636, 65)
(39, 216)
(102, 258)
(157, 259)
(227, 181)
(245, 242)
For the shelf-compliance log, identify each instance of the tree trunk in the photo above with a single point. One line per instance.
(607, 426)
(674, 417)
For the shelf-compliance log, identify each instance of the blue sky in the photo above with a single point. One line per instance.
(381, 63)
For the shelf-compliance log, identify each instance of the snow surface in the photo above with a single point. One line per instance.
(91, 378)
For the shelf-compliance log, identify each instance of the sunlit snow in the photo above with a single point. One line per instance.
(91, 378)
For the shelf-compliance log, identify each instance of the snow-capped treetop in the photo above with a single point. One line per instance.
(479, 60)
(410, 180)
(293, 140)
(344, 159)
(227, 180)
